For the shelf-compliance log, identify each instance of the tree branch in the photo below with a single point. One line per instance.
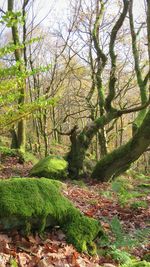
(113, 37)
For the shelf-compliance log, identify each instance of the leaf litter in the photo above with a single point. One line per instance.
(52, 249)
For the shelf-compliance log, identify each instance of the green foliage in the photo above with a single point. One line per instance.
(119, 240)
(27, 157)
(88, 164)
(79, 183)
(144, 185)
(53, 167)
(108, 194)
(147, 257)
(139, 204)
(141, 236)
(139, 176)
(13, 79)
(122, 239)
(127, 240)
(15, 112)
(6, 151)
(12, 18)
(23, 156)
(30, 203)
(13, 263)
(125, 192)
(136, 264)
(120, 256)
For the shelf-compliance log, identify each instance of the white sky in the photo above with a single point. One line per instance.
(58, 10)
(59, 7)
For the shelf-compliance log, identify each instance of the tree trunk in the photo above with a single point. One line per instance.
(22, 134)
(120, 159)
(22, 86)
(14, 140)
(81, 140)
(102, 142)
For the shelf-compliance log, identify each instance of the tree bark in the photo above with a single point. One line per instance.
(81, 140)
(121, 159)
(21, 101)
(142, 82)
(14, 140)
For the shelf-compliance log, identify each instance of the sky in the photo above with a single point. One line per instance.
(57, 10)
(59, 7)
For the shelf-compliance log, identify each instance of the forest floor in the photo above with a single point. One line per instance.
(122, 207)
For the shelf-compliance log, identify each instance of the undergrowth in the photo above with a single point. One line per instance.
(119, 243)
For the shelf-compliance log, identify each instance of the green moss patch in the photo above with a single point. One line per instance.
(26, 157)
(51, 167)
(22, 156)
(137, 264)
(147, 186)
(6, 151)
(34, 204)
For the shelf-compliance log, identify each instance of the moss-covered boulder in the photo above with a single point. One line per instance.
(50, 167)
(34, 204)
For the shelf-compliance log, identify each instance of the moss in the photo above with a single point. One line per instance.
(147, 186)
(27, 157)
(13, 262)
(23, 156)
(79, 183)
(147, 257)
(33, 204)
(121, 159)
(50, 167)
(88, 165)
(6, 151)
(139, 204)
(137, 264)
(120, 255)
(80, 235)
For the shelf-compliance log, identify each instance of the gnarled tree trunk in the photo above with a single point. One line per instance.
(81, 140)
(120, 159)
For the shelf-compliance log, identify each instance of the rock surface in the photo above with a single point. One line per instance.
(34, 204)
(53, 167)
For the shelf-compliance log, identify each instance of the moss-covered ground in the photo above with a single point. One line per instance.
(34, 204)
(121, 206)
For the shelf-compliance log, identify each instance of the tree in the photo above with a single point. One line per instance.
(21, 135)
(82, 138)
(120, 160)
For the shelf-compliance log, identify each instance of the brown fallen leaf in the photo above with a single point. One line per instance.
(4, 248)
(51, 248)
(5, 238)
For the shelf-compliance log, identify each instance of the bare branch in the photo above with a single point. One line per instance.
(113, 36)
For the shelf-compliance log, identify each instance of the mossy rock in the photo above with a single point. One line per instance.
(50, 167)
(34, 204)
